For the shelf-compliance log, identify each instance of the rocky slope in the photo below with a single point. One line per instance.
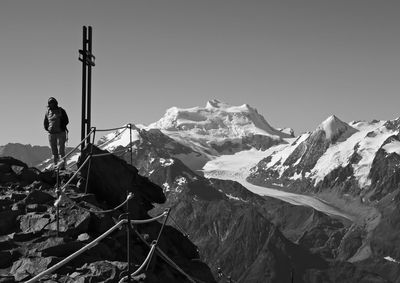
(29, 242)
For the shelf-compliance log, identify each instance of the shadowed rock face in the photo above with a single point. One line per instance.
(111, 178)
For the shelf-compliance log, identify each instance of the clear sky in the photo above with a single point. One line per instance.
(296, 61)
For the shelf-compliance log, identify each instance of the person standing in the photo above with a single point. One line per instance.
(55, 123)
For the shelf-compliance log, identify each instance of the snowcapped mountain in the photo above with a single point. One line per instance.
(332, 147)
(334, 129)
(219, 128)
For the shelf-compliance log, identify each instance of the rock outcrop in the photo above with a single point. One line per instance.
(31, 240)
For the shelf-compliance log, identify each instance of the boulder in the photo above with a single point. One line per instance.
(10, 161)
(99, 271)
(38, 197)
(48, 177)
(5, 259)
(7, 279)
(73, 221)
(33, 222)
(28, 175)
(8, 221)
(8, 178)
(25, 237)
(27, 267)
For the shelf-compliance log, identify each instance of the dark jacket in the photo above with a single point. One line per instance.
(55, 120)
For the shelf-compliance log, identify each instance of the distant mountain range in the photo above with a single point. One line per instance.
(31, 155)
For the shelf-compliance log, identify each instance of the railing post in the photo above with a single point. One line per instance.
(58, 204)
(128, 241)
(130, 142)
(93, 129)
(128, 230)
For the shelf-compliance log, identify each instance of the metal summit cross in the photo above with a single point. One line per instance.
(88, 61)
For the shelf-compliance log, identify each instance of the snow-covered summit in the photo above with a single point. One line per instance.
(219, 120)
(334, 128)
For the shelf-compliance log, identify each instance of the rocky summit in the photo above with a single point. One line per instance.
(32, 241)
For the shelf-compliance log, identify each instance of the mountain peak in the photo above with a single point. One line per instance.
(217, 119)
(220, 127)
(334, 127)
(214, 103)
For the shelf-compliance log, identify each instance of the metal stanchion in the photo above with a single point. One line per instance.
(93, 129)
(128, 236)
(130, 141)
(58, 204)
(128, 229)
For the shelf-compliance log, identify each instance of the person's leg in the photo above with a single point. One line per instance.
(62, 137)
(53, 146)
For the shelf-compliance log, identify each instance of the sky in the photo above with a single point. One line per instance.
(297, 62)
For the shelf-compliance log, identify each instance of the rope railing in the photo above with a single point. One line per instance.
(111, 153)
(167, 259)
(112, 139)
(93, 131)
(81, 142)
(74, 175)
(114, 129)
(174, 265)
(145, 262)
(144, 221)
(179, 227)
(130, 196)
(77, 253)
(98, 239)
(153, 247)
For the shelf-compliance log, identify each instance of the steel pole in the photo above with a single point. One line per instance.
(83, 122)
(89, 86)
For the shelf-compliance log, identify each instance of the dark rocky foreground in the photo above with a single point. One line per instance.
(29, 242)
